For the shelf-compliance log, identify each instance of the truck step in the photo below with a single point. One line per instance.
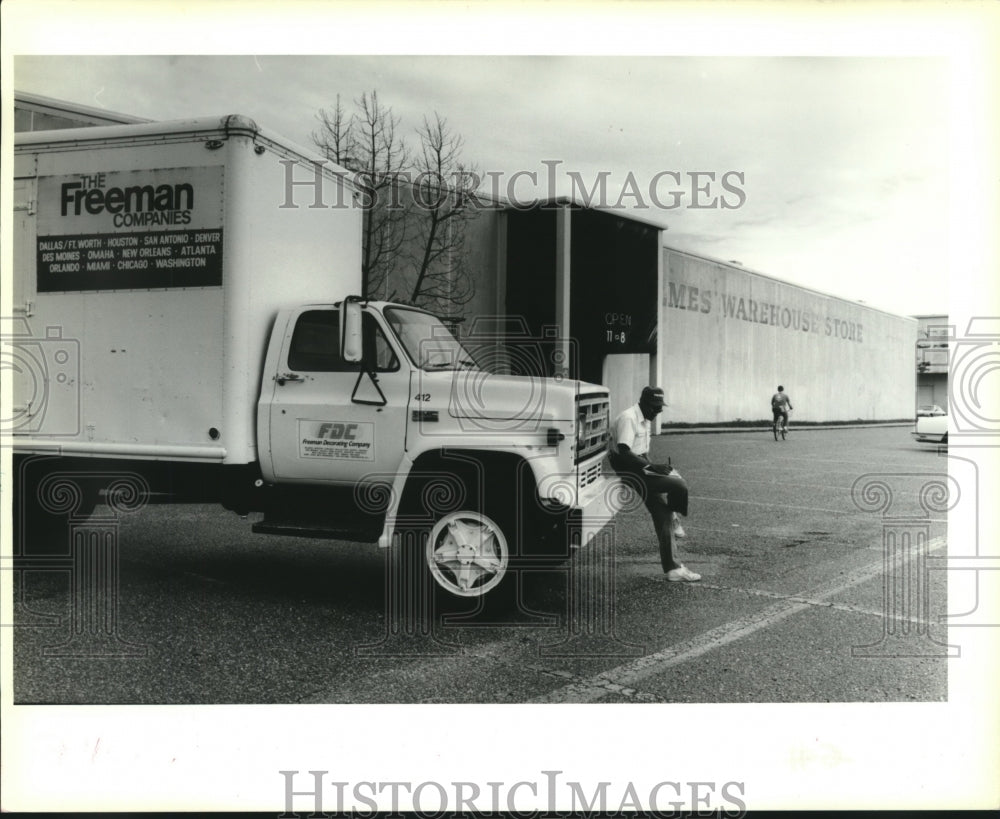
(359, 532)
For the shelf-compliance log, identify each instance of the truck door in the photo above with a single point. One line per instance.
(330, 420)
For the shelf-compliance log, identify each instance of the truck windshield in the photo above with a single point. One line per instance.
(427, 340)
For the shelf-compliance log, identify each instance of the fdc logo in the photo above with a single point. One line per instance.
(338, 432)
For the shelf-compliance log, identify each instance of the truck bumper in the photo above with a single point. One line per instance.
(598, 505)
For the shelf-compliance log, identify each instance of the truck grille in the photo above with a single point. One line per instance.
(591, 473)
(592, 425)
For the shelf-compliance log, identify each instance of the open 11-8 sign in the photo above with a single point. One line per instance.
(617, 328)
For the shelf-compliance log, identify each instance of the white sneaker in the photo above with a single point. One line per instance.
(682, 573)
(676, 527)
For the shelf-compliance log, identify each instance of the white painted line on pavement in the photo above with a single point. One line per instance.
(845, 607)
(626, 676)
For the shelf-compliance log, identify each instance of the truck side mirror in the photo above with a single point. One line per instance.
(350, 330)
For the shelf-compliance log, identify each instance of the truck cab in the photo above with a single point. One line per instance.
(486, 470)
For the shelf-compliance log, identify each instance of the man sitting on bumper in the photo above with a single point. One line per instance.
(664, 492)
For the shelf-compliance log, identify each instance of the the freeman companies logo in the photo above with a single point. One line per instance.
(147, 228)
(130, 206)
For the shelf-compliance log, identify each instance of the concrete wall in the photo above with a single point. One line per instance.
(730, 336)
(625, 374)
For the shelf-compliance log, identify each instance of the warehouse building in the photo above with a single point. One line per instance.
(566, 289)
(34, 112)
(628, 311)
(839, 360)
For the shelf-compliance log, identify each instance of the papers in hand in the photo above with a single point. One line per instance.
(657, 469)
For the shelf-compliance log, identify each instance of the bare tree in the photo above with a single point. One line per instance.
(381, 164)
(367, 144)
(335, 138)
(442, 193)
(414, 228)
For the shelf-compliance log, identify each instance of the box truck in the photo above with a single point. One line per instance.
(185, 313)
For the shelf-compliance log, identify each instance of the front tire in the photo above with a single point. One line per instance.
(459, 532)
(467, 553)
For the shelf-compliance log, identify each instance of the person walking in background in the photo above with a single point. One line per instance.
(664, 491)
(780, 405)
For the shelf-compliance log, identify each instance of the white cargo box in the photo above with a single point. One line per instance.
(150, 261)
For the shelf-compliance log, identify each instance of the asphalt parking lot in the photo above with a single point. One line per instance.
(811, 592)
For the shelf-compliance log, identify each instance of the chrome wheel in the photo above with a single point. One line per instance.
(467, 554)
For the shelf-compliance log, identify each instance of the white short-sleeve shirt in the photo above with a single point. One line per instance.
(631, 429)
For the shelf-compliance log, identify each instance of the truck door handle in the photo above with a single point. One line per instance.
(281, 378)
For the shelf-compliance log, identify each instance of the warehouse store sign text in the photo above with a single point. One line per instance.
(694, 299)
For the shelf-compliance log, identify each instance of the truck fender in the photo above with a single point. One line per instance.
(395, 500)
(432, 458)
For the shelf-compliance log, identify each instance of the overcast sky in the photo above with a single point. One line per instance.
(840, 166)
(837, 167)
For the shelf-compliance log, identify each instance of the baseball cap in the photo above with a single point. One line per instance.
(651, 395)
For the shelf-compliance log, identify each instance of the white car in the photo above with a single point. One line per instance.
(931, 429)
